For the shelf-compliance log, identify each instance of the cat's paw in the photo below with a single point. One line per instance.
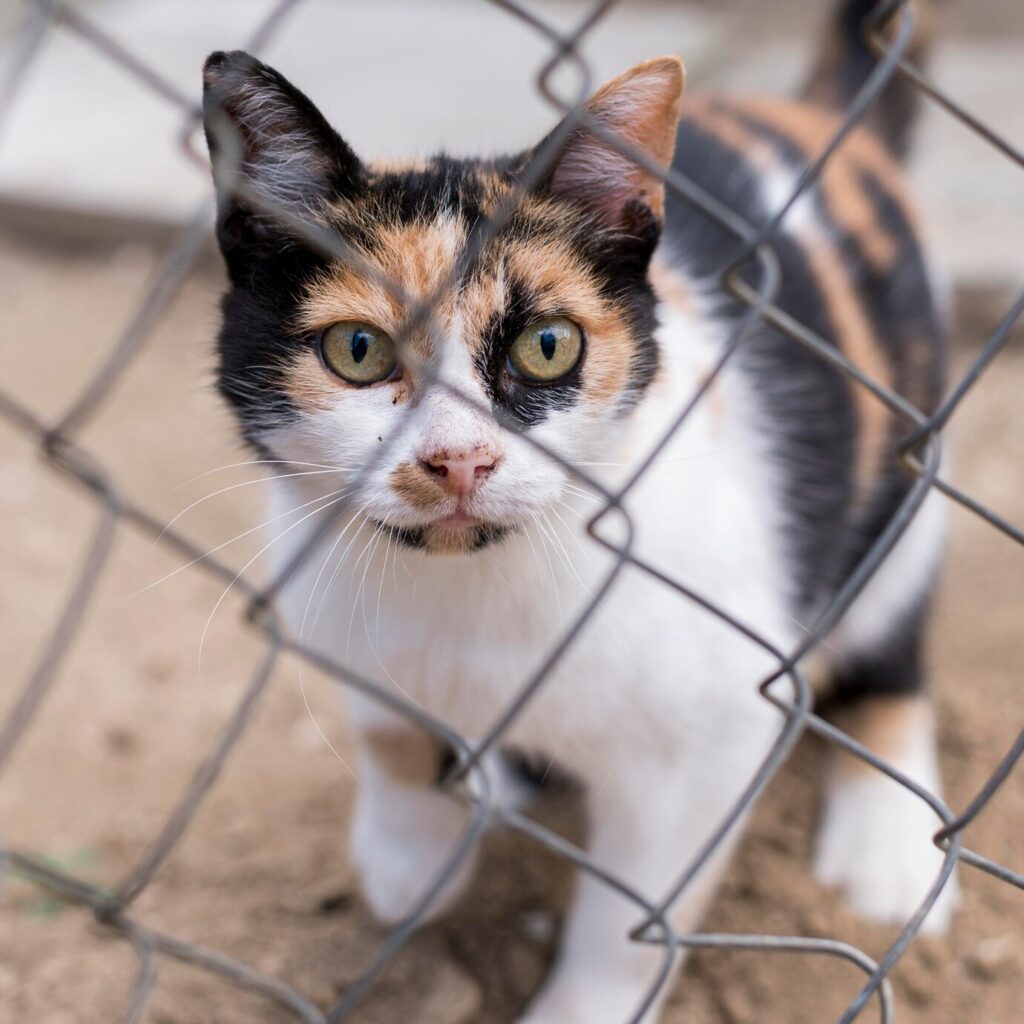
(395, 871)
(875, 845)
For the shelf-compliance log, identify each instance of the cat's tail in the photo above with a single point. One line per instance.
(845, 60)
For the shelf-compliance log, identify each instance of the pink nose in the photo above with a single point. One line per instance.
(460, 474)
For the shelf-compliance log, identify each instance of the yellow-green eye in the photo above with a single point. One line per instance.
(546, 350)
(358, 352)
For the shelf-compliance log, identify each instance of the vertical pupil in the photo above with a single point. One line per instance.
(548, 343)
(360, 343)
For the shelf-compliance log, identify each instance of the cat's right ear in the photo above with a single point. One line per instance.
(639, 108)
(271, 149)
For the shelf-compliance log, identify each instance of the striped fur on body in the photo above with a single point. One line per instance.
(853, 271)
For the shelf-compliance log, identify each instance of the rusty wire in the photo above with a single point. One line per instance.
(786, 688)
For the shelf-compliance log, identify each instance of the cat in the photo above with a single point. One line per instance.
(584, 325)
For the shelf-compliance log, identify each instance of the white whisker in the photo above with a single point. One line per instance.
(536, 560)
(380, 586)
(238, 536)
(568, 561)
(256, 462)
(359, 590)
(235, 487)
(551, 567)
(380, 531)
(238, 575)
(302, 681)
(356, 521)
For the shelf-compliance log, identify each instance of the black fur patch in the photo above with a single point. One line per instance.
(516, 402)
(809, 408)
(415, 537)
(896, 669)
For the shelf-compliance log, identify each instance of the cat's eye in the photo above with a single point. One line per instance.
(546, 350)
(359, 353)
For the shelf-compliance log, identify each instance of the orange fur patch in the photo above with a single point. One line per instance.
(671, 288)
(408, 756)
(398, 166)
(309, 385)
(416, 487)
(416, 260)
(481, 298)
(861, 347)
(887, 726)
(854, 211)
(810, 129)
(449, 542)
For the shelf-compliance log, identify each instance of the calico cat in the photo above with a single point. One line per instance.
(585, 324)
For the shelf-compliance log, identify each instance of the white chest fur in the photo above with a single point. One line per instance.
(461, 635)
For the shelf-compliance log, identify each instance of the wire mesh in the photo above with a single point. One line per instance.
(889, 29)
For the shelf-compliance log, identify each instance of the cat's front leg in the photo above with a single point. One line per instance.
(648, 820)
(404, 830)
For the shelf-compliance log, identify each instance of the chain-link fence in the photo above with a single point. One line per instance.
(889, 30)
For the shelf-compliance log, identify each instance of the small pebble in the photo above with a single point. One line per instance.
(992, 957)
(121, 740)
(335, 902)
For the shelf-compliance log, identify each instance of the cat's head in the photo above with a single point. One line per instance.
(326, 357)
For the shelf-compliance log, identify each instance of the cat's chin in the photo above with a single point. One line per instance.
(450, 536)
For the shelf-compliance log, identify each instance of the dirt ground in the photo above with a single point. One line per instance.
(262, 874)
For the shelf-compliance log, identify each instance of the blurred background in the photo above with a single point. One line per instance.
(94, 188)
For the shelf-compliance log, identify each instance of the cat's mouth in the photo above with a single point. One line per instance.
(456, 533)
(458, 520)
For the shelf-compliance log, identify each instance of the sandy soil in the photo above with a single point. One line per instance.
(262, 874)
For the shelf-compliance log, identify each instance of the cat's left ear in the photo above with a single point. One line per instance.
(640, 107)
(269, 144)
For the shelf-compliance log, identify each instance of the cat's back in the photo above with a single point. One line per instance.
(854, 267)
(854, 273)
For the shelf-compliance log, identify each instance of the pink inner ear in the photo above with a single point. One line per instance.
(599, 177)
(641, 108)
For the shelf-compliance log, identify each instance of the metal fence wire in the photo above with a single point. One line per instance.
(889, 31)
